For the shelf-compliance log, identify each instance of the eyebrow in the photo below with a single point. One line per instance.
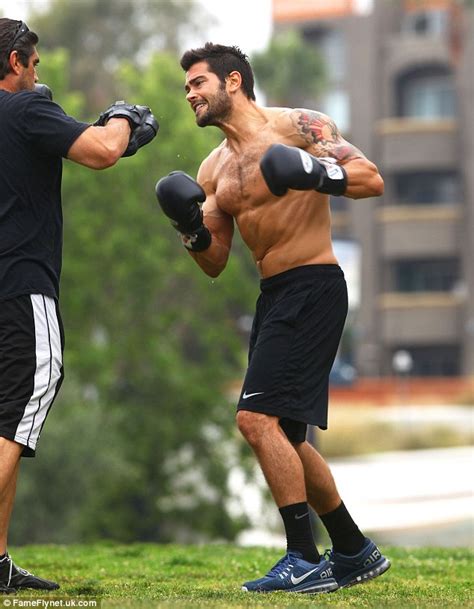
(192, 81)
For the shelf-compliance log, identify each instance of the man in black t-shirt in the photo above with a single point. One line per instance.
(35, 135)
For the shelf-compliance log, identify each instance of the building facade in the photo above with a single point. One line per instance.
(401, 88)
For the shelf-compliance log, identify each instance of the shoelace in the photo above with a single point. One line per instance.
(281, 566)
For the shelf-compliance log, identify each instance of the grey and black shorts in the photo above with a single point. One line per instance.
(299, 319)
(31, 366)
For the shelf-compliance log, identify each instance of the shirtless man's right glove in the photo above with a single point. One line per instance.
(179, 197)
(285, 167)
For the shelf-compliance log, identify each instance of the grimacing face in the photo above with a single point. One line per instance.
(207, 95)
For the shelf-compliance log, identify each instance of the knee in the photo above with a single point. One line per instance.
(253, 425)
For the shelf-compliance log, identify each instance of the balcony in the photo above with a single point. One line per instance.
(410, 143)
(420, 319)
(409, 231)
(408, 51)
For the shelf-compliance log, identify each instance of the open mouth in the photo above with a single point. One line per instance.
(199, 106)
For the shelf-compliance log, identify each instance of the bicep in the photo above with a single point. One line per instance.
(100, 147)
(319, 135)
(217, 221)
(84, 149)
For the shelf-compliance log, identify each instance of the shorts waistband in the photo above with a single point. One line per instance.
(300, 272)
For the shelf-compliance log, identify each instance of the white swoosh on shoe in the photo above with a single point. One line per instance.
(298, 580)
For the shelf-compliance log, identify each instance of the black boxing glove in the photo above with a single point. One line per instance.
(143, 124)
(44, 90)
(179, 197)
(285, 167)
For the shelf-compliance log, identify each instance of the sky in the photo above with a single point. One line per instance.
(233, 23)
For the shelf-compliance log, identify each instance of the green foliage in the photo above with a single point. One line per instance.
(150, 576)
(100, 34)
(290, 71)
(139, 432)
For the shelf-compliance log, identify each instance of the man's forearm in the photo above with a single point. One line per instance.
(363, 180)
(212, 260)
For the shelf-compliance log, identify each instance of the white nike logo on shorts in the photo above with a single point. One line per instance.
(249, 395)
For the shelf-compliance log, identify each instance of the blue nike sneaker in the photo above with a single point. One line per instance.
(293, 574)
(351, 570)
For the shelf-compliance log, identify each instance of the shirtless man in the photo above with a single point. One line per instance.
(272, 176)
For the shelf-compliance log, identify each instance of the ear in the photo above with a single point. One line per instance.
(234, 81)
(15, 63)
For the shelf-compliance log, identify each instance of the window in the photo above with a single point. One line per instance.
(335, 104)
(425, 22)
(339, 204)
(434, 360)
(426, 275)
(427, 94)
(427, 188)
(332, 46)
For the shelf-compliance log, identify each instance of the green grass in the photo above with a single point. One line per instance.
(149, 575)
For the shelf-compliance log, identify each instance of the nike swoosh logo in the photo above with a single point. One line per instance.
(249, 395)
(302, 516)
(297, 580)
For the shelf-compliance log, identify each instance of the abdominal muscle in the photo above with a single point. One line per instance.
(275, 262)
(289, 232)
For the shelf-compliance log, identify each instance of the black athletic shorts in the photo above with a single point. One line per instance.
(296, 331)
(31, 366)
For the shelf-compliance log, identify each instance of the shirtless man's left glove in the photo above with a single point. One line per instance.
(179, 197)
(143, 124)
(285, 167)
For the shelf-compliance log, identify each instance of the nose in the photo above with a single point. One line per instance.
(190, 96)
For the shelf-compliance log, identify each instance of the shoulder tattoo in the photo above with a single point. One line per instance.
(321, 132)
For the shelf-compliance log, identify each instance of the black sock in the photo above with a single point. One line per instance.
(344, 533)
(299, 536)
(2, 556)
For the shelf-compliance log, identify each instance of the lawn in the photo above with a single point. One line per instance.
(209, 576)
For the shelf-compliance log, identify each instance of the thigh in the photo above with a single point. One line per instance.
(31, 366)
(271, 348)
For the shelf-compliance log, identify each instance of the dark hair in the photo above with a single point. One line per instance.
(24, 44)
(222, 60)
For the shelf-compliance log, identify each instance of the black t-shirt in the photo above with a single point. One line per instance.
(35, 134)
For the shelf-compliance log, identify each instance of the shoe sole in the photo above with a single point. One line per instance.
(368, 575)
(318, 589)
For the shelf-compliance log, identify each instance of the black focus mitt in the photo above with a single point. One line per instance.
(44, 90)
(143, 124)
(143, 134)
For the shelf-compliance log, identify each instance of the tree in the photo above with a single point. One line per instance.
(101, 34)
(290, 71)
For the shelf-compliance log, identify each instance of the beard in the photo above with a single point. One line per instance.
(219, 108)
(25, 83)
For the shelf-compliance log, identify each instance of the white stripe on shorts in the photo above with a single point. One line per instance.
(48, 370)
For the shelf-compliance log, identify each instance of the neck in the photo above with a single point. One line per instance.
(244, 122)
(8, 84)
